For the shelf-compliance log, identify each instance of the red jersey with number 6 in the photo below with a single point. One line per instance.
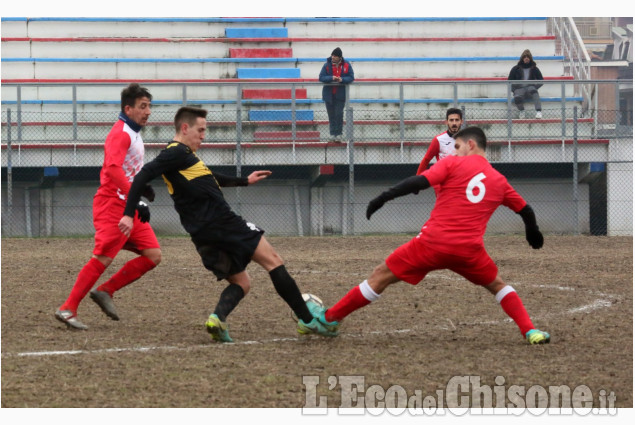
(470, 191)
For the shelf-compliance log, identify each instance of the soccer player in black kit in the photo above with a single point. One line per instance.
(223, 239)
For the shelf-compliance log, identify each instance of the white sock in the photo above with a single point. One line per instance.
(503, 292)
(368, 292)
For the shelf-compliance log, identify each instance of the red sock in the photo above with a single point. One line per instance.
(130, 272)
(513, 306)
(85, 281)
(350, 302)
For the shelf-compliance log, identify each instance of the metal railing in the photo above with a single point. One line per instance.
(577, 61)
(412, 104)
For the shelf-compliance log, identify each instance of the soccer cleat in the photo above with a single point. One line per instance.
(104, 301)
(535, 336)
(218, 329)
(70, 319)
(315, 327)
(317, 311)
(333, 326)
(538, 115)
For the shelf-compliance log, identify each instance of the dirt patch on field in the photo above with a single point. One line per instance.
(580, 289)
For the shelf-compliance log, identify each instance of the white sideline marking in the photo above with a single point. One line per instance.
(603, 301)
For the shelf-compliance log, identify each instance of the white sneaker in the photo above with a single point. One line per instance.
(521, 115)
(332, 138)
(538, 115)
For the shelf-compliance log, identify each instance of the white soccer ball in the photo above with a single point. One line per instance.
(308, 297)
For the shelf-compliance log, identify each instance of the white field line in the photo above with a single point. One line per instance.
(603, 300)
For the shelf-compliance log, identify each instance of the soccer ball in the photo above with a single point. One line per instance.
(308, 297)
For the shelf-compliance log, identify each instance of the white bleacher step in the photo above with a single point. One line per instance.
(298, 27)
(212, 68)
(219, 48)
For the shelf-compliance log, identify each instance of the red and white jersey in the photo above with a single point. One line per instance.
(446, 145)
(123, 158)
(469, 192)
(440, 147)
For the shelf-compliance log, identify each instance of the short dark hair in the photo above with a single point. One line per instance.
(188, 114)
(453, 111)
(130, 94)
(473, 133)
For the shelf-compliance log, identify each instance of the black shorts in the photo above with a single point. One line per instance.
(227, 250)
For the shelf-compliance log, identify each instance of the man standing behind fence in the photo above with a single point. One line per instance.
(123, 158)
(443, 144)
(336, 70)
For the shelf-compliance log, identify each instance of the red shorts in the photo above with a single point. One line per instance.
(412, 261)
(109, 240)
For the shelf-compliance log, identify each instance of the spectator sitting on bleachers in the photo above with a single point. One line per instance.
(526, 69)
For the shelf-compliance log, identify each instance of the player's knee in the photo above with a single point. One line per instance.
(243, 280)
(105, 261)
(153, 255)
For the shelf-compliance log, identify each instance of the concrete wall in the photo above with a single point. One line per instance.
(292, 207)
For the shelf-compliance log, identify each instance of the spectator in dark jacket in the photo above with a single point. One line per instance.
(336, 70)
(526, 69)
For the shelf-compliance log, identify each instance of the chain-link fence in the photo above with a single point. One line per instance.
(573, 165)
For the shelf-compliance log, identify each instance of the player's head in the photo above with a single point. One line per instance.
(454, 120)
(470, 141)
(135, 103)
(190, 124)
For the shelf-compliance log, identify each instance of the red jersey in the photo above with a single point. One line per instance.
(440, 147)
(123, 158)
(470, 191)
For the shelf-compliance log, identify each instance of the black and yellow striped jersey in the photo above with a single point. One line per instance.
(194, 188)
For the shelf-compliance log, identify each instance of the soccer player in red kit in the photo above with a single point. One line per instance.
(123, 158)
(442, 145)
(470, 191)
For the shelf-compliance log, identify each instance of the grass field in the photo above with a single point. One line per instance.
(580, 289)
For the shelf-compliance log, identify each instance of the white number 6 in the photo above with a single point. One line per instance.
(476, 182)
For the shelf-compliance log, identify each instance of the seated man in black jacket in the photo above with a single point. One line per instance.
(526, 69)
(223, 239)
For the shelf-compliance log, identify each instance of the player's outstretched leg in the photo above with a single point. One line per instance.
(358, 297)
(287, 288)
(514, 308)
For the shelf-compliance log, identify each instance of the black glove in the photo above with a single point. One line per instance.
(374, 205)
(534, 237)
(148, 193)
(144, 212)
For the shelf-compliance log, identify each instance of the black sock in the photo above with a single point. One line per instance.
(229, 298)
(290, 293)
